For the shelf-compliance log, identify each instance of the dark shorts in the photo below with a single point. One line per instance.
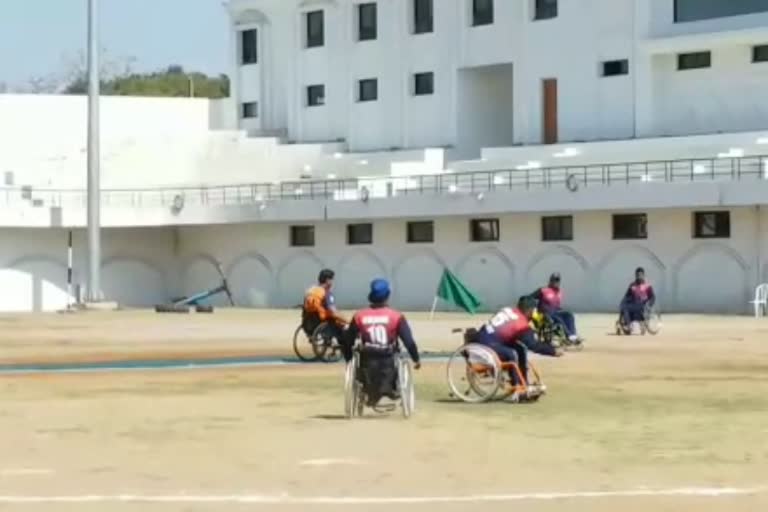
(378, 373)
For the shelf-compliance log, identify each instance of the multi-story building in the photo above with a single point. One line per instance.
(503, 139)
(471, 74)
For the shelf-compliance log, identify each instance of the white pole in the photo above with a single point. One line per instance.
(434, 306)
(69, 272)
(94, 234)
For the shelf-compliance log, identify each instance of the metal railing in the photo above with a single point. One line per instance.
(570, 177)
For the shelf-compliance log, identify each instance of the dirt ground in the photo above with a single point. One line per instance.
(687, 408)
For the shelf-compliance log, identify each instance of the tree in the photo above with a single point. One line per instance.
(173, 81)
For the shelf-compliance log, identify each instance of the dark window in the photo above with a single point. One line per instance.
(250, 110)
(545, 10)
(315, 95)
(359, 234)
(302, 236)
(315, 29)
(421, 232)
(760, 53)
(368, 90)
(630, 226)
(423, 84)
(616, 67)
(694, 10)
(712, 224)
(423, 17)
(696, 60)
(366, 22)
(555, 229)
(249, 46)
(484, 230)
(482, 12)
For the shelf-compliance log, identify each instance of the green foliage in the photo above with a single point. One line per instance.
(171, 82)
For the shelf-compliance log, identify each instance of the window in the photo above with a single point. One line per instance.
(696, 60)
(302, 236)
(482, 12)
(315, 29)
(712, 224)
(359, 234)
(484, 230)
(315, 95)
(555, 229)
(249, 45)
(250, 110)
(616, 67)
(694, 10)
(545, 9)
(368, 90)
(760, 53)
(630, 226)
(423, 17)
(366, 22)
(423, 84)
(421, 232)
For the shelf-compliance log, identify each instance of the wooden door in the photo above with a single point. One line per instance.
(549, 110)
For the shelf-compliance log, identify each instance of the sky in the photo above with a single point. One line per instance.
(39, 37)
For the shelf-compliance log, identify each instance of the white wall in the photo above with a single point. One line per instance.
(144, 266)
(711, 100)
(137, 268)
(689, 275)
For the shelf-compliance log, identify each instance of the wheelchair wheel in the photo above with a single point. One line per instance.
(652, 320)
(325, 345)
(474, 373)
(302, 346)
(407, 391)
(352, 399)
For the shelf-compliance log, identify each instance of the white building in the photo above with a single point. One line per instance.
(654, 110)
(472, 74)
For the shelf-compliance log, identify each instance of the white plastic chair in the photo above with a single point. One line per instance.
(761, 300)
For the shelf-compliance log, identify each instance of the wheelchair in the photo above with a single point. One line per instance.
(356, 396)
(475, 374)
(549, 331)
(321, 345)
(649, 324)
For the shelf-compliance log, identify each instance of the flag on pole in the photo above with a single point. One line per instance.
(452, 290)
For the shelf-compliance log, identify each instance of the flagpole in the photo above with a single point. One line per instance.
(434, 306)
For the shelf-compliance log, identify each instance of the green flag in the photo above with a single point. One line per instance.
(453, 291)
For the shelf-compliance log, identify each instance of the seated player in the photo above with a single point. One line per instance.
(549, 300)
(509, 334)
(639, 295)
(320, 306)
(379, 328)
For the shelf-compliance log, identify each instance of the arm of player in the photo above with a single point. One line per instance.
(331, 311)
(348, 339)
(528, 338)
(406, 336)
(651, 296)
(628, 296)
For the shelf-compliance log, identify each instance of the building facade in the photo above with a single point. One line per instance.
(470, 74)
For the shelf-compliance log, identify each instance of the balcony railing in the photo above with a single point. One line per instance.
(566, 177)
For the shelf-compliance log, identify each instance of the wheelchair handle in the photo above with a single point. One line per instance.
(457, 330)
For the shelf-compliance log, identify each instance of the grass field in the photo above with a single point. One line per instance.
(688, 408)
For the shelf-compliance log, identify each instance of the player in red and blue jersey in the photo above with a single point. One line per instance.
(550, 300)
(509, 334)
(639, 295)
(380, 328)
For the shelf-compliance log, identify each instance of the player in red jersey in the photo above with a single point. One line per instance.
(509, 334)
(379, 328)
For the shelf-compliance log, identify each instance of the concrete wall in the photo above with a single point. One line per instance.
(147, 265)
(137, 267)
